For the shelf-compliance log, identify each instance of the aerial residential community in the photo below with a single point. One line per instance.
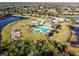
(39, 29)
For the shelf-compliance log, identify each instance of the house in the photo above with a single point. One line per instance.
(15, 34)
(77, 21)
(47, 25)
(59, 20)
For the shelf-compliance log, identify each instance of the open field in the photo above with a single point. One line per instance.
(63, 34)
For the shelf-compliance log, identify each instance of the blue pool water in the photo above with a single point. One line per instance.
(41, 28)
(7, 20)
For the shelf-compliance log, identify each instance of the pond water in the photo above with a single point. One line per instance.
(75, 18)
(7, 20)
(76, 30)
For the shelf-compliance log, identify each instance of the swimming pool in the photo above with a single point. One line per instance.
(43, 29)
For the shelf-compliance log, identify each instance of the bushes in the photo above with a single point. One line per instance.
(31, 47)
(16, 48)
(73, 21)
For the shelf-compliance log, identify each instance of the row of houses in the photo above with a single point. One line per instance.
(70, 11)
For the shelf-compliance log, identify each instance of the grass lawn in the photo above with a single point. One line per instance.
(63, 34)
(76, 25)
(6, 33)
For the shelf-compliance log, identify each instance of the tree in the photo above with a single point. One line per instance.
(72, 21)
(31, 47)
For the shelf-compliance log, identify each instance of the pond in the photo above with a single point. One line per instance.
(7, 20)
(75, 18)
(76, 30)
